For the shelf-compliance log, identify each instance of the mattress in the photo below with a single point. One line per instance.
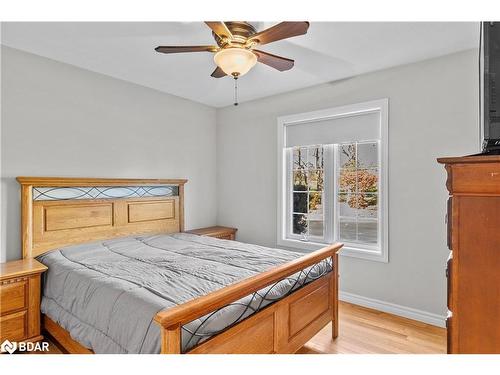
(106, 294)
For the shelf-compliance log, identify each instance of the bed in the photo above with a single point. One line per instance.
(124, 278)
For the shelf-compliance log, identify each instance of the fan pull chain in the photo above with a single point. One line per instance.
(235, 90)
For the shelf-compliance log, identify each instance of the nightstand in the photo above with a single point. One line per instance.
(224, 233)
(20, 300)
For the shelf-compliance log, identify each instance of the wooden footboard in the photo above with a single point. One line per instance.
(283, 327)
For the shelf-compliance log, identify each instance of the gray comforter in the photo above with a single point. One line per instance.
(107, 293)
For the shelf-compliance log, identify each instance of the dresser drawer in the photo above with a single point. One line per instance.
(13, 326)
(13, 296)
(476, 178)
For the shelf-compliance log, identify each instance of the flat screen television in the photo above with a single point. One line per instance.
(490, 79)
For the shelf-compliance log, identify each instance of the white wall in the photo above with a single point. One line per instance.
(432, 112)
(59, 120)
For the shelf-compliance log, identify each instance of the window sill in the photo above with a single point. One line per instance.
(349, 251)
(354, 252)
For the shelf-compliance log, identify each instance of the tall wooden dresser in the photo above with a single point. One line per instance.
(473, 268)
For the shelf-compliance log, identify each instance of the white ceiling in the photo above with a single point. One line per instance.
(328, 52)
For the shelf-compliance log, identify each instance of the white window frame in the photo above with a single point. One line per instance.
(381, 107)
(328, 185)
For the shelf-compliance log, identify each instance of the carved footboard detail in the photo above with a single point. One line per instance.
(282, 327)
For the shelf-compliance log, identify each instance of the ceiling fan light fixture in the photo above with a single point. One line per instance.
(235, 61)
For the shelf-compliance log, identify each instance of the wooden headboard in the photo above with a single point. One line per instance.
(60, 211)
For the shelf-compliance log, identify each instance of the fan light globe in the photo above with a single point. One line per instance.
(235, 61)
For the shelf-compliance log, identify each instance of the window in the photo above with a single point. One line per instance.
(333, 180)
(357, 193)
(307, 192)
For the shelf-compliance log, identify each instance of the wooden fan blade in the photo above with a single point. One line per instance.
(218, 73)
(220, 29)
(180, 49)
(280, 31)
(276, 62)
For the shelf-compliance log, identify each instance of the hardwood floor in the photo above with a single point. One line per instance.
(367, 331)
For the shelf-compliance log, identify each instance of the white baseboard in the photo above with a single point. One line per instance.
(391, 308)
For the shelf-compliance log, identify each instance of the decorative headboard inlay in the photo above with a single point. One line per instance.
(102, 192)
(58, 212)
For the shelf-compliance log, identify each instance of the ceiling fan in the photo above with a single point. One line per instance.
(235, 52)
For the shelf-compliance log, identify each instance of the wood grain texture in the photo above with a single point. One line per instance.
(282, 327)
(68, 216)
(365, 331)
(34, 294)
(79, 221)
(254, 335)
(20, 300)
(470, 159)
(52, 224)
(282, 30)
(13, 296)
(473, 278)
(171, 340)
(225, 233)
(90, 181)
(13, 327)
(476, 313)
(290, 341)
(307, 308)
(181, 207)
(148, 211)
(27, 220)
(277, 62)
(475, 179)
(334, 296)
(19, 268)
